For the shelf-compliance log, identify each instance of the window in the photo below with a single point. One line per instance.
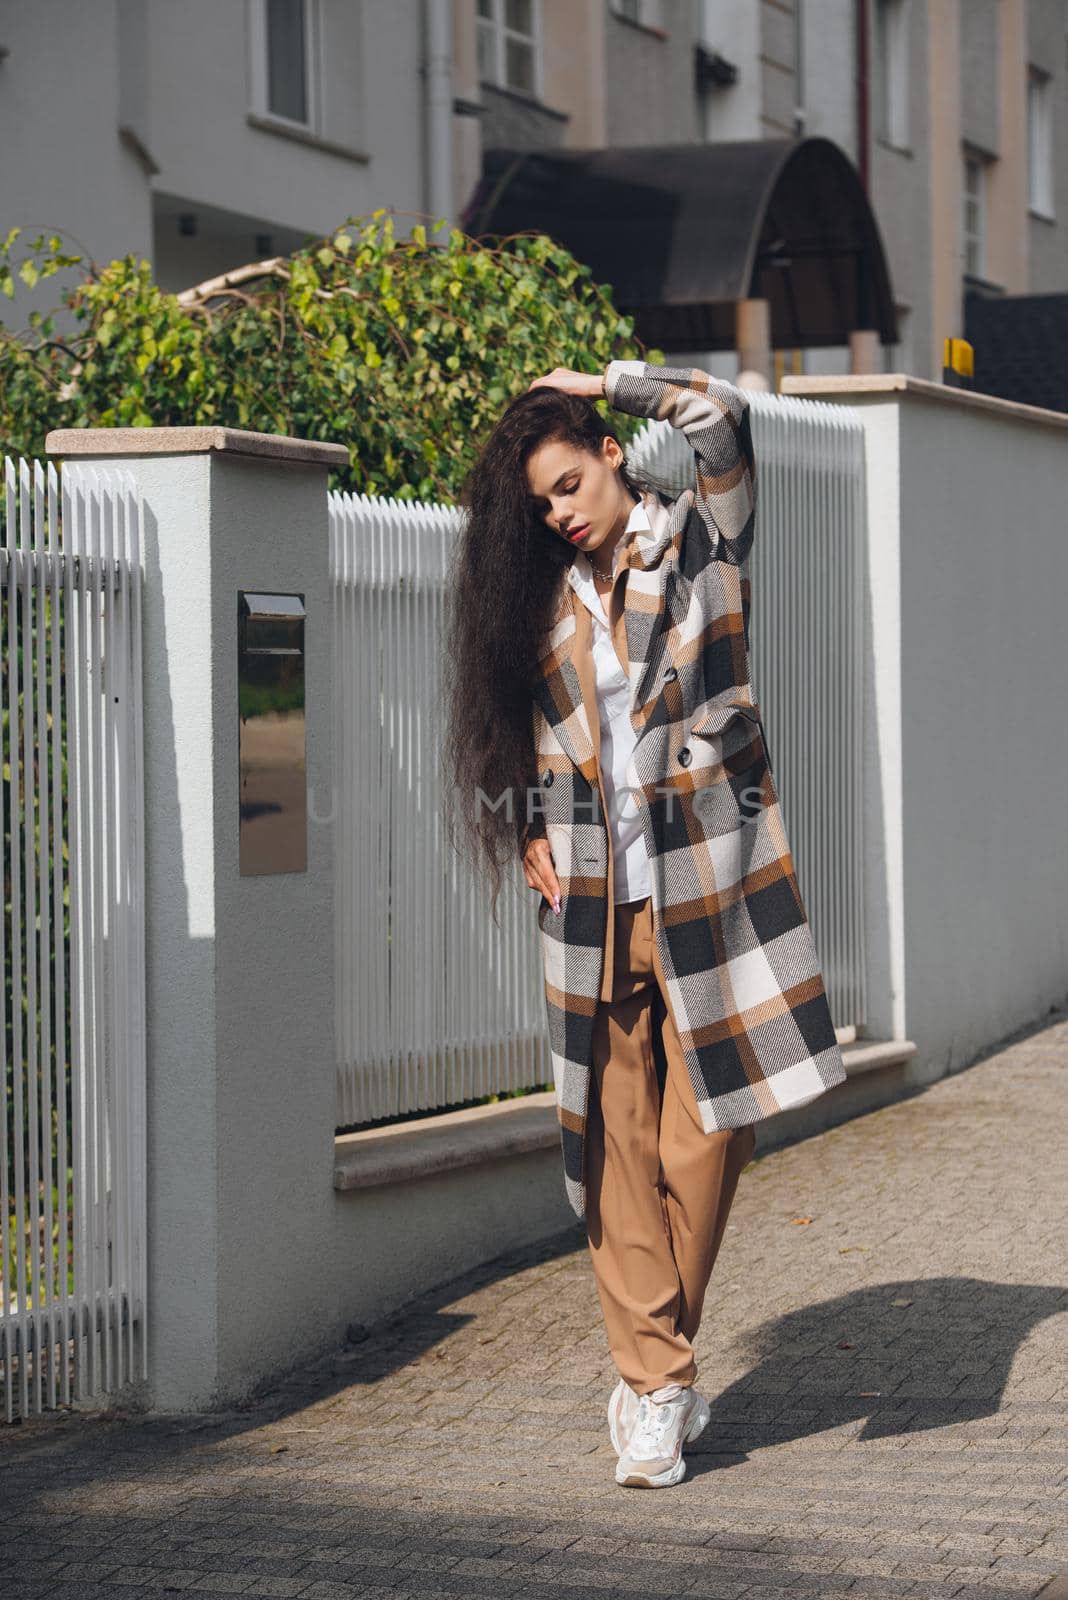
(283, 36)
(974, 219)
(508, 33)
(1039, 142)
(892, 72)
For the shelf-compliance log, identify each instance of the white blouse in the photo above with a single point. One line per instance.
(630, 878)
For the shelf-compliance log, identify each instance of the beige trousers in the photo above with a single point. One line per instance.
(658, 1187)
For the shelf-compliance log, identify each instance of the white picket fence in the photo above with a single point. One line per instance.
(808, 567)
(436, 1005)
(72, 1124)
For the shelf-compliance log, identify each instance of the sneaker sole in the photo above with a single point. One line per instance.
(660, 1480)
(675, 1473)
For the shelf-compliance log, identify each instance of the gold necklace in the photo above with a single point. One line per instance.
(608, 575)
(599, 572)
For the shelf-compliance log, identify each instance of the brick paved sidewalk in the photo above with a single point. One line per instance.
(462, 1450)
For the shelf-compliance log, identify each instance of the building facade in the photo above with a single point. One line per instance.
(953, 112)
(206, 135)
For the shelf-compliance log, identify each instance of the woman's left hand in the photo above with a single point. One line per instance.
(581, 383)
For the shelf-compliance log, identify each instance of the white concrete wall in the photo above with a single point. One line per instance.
(179, 79)
(212, 159)
(733, 28)
(64, 167)
(984, 664)
(395, 1242)
(208, 152)
(967, 756)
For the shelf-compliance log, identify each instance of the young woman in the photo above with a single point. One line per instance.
(598, 640)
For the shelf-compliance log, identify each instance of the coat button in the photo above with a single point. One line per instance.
(670, 675)
(547, 780)
(684, 757)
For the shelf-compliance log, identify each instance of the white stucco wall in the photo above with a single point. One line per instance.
(372, 102)
(64, 167)
(984, 664)
(179, 79)
(967, 757)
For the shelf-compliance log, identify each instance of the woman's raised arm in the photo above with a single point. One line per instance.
(714, 416)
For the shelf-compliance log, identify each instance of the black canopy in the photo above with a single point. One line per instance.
(683, 231)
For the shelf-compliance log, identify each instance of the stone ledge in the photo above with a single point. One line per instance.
(852, 386)
(100, 442)
(453, 1139)
(289, 130)
(446, 1141)
(865, 1055)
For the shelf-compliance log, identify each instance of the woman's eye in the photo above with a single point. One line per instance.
(542, 506)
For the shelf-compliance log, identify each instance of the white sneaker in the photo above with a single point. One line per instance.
(622, 1410)
(653, 1456)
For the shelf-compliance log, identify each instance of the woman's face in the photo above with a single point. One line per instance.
(579, 495)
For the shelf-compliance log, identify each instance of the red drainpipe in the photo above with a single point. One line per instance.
(863, 115)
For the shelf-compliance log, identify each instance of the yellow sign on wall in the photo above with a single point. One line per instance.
(958, 360)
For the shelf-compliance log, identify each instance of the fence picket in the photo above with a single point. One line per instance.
(72, 1117)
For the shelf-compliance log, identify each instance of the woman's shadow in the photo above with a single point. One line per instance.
(943, 1357)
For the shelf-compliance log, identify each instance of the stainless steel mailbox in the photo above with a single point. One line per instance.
(273, 816)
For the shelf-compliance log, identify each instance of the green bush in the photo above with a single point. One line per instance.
(403, 349)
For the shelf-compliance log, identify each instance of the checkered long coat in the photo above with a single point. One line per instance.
(745, 988)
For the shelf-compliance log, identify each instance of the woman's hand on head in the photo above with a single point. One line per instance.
(540, 872)
(588, 384)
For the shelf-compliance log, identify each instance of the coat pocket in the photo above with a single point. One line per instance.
(729, 735)
(715, 716)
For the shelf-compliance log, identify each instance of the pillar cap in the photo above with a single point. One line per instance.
(101, 442)
(849, 387)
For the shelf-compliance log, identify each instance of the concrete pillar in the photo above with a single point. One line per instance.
(438, 88)
(752, 338)
(863, 350)
(240, 969)
(1008, 220)
(944, 182)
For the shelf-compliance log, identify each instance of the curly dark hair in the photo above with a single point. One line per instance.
(503, 589)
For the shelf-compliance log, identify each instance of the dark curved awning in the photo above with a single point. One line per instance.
(682, 232)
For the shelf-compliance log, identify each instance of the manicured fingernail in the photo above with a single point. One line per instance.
(556, 903)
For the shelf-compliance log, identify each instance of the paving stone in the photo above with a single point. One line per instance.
(930, 1459)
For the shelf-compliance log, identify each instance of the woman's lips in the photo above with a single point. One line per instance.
(579, 533)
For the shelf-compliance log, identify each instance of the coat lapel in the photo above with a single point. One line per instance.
(637, 621)
(583, 643)
(557, 689)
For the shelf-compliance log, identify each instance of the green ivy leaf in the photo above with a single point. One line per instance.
(393, 345)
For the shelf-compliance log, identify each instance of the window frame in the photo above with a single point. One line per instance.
(1040, 187)
(501, 34)
(980, 161)
(893, 81)
(650, 14)
(260, 68)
